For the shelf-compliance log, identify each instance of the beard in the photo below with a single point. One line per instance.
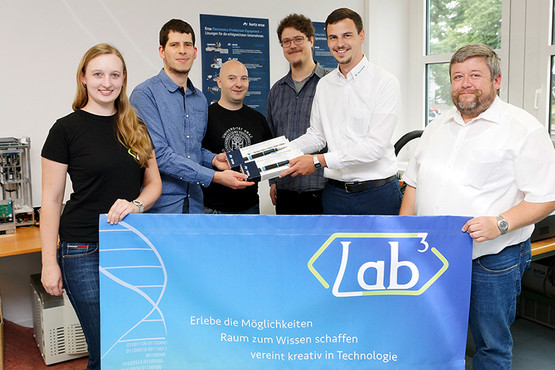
(474, 107)
(184, 71)
(298, 62)
(343, 61)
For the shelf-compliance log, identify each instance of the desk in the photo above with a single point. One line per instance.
(24, 240)
(19, 258)
(543, 248)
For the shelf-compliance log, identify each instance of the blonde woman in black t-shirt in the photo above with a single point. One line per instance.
(109, 157)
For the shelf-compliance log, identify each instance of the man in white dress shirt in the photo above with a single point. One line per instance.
(354, 112)
(494, 162)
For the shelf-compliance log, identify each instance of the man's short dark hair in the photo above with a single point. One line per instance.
(298, 22)
(344, 13)
(175, 25)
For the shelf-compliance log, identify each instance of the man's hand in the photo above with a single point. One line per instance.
(303, 165)
(220, 162)
(232, 179)
(482, 228)
(273, 193)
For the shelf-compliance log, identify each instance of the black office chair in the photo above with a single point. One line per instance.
(406, 138)
(403, 140)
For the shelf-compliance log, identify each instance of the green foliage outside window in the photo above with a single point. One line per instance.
(454, 23)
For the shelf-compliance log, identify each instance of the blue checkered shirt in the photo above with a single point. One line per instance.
(288, 114)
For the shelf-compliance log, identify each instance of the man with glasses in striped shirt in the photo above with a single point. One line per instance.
(289, 105)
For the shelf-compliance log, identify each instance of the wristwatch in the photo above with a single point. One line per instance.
(139, 204)
(502, 225)
(317, 163)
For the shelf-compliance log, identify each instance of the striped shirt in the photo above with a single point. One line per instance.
(288, 114)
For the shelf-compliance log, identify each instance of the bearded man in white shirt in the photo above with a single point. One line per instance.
(354, 112)
(494, 162)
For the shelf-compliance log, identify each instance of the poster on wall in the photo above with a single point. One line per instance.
(225, 38)
(274, 292)
(322, 53)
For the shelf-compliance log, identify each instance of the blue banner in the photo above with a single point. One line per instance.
(244, 39)
(275, 292)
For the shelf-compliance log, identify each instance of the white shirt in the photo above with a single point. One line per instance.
(483, 168)
(355, 117)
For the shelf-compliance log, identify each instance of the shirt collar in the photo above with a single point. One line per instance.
(492, 114)
(357, 70)
(318, 71)
(172, 86)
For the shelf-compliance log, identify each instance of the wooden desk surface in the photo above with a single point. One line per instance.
(24, 240)
(27, 240)
(543, 247)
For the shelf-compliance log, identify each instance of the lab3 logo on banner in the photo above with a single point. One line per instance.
(364, 264)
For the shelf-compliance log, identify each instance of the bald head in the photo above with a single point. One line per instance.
(232, 66)
(233, 83)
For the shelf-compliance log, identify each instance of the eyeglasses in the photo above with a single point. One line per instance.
(297, 40)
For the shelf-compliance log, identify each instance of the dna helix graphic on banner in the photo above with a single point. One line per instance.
(142, 279)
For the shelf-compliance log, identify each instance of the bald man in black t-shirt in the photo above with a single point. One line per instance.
(233, 125)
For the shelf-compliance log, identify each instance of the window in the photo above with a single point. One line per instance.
(538, 60)
(451, 24)
(521, 31)
(438, 89)
(553, 23)
(454, 23)
(551, 126)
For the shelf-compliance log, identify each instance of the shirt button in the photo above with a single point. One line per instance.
(198, 183)
(187, 115)
(187, 136)
(188, 156)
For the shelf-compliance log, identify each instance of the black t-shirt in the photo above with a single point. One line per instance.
(228, 130)
(100, 168)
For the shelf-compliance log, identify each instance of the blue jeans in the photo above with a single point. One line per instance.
(254, 210)
(383, 200)
(79, 264)
(494, 290)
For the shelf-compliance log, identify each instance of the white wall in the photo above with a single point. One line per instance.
(43, 41)
(387, 30)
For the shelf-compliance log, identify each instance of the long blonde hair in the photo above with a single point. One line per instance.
(130, 132)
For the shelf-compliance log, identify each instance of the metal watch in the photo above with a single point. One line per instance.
(139, 204)
(502, 225)
(317, 163)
